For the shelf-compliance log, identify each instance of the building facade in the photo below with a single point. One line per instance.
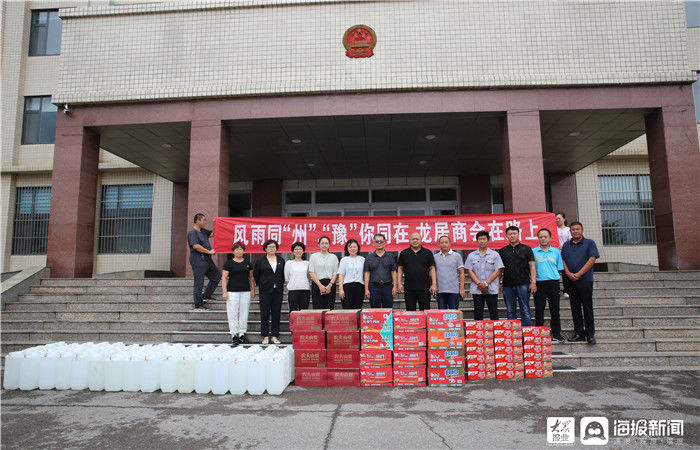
(120, 120)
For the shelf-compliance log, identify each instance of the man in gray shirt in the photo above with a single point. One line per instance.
(201, 262)
(380, 275)
(450, 275)
(484, 267)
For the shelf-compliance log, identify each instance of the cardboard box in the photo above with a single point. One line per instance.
(518, 334)
(475, 350)
(502, 342)
(474, 325)
(446, 375)
(503, 349)
(536, 331)
(502, 325)
(409, 320)
(547, 373)
(342, 359)
(310, 376)
(488, 324)
(515, 324)
(474, 334)
(343, 377)
(477, 375)
(309, 358)
(505, 365)
(343, 340)
(498, 333)
(376, 376)
(307, 320)
(377, 339)
(534, 372)
(476, 358)
(409, 374)
(532, 356)
(476, 367)
(342, 320)
(444, 318)
(308, 340)
(410, 357)
(505, 374)
(453, 337)
(476, 342)
(533, 364)
(504, 357)
(410, 339)
(413, 384)
(490, 358)
(446, 357)
(537, 348)
(377, 319)
(547, 365)
(375, 358)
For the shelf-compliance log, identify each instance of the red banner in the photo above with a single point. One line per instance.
(253, 231)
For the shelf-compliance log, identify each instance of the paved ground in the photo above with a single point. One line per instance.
(488, 414)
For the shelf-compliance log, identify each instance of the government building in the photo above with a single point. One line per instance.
(122, 119)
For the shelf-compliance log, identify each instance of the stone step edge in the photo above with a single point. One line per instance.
(638, 369)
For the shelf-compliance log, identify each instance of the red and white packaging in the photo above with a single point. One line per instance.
(343, 377)
(505, 349)
(342, 359)
(444, 318)
(410, 339)
(375, 357)
(410, 358)
(476, 358)
(477, 367)
(446, 375)
(374, 339)
(536, 331)
(310, 376)
(376, 319)
(530, 364)
(409, 320)
(502, 325)
(409, 375)
(534, 372)
(477, 375)
(515, 324)
(309, 357)
(446, 357)
(308, 340)
(446, 338)
(343, 340)
(503, 333)
(307, 320)
(504, 357)
(376, 376)
(505, 374)
(342, 320)
(503, 342)
(474, 325)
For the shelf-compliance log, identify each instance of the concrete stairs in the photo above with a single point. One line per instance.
(643, 319)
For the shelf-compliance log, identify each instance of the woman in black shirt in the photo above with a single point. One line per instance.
(269, 276)
(239, 290)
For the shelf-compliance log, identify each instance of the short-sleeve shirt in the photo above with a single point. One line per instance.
(548, 263)
(516, 267)
(201, 237)
(238, 275)
(352, 269)
(380, 268)
(483, 266)
(576, 255)
(324, 266)
(564, 235)
(296, 274)
(447, 267)
(416, 268)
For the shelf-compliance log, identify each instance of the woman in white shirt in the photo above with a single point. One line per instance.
(296, 274)
(562, 229)
(351, 276)
(323, 270)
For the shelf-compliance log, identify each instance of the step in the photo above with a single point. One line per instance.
(631, 359)
(629, 345)
(93, 314)
(11, 336)
(92, 325)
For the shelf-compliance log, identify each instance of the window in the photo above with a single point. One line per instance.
(696, 94)
(443, 194)
(297, 197)
(626, 210)
(342, 196)
(125, 218)
(398, 195)
(31, 225)
(45, 34)
(39, 121)
(692, 13)
(497, 200)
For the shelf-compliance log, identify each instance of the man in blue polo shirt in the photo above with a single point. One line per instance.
(579, 255)
(548, 264)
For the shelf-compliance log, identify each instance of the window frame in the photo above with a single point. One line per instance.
(110, 238)
(38, 114)
(34, 29)
(615, 235)
(37, 222)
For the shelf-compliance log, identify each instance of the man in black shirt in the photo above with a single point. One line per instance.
(519, 277)
(417, 265)
(201, 262)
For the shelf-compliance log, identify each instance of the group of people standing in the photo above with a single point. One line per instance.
(516, 270)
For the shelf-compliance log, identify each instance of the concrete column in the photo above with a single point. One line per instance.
(266, 198)
(674, 160)
(181, 223)
(564, 198)
(475, 194)
(70, 251)
(523, 173)
(209, 174)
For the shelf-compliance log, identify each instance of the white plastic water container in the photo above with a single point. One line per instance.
(257, 373)
(47, 370)
(150, 371)
(13, 361)
(79, 372)
(29, 371)
(114, 372)
(277, 373)
(132, 373)
(202, 373)
(168, 372)
(96, 371)
(219, 372)
(64, 365)
(238, 374)
(290, 349)
(185, 373)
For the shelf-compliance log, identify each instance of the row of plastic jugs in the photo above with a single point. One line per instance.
(170, 368)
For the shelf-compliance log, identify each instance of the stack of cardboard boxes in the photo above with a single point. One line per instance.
(479, 348)
(410, 343)
(377, 342)
(537, 352)
(309, 342)
(508, 347)
(445, 346)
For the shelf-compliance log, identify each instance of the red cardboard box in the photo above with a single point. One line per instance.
(444, 318)
(504, 349)
(531, 356)
(376, 319)
(476, 342)
(505, 374)
(414, 384)
(374, 339)
(307, 320)
(548, 373)
(504, 357)
(474, 334)
(376, 376)
(375, 358)
(310, 376)
(502, 342)
(446, 375)
(505, 365)
(409, 339)
(342, 320)
(488, 324)
(343, 340)
(499, 333)
(476, 358)
(502, 325)
(409, 374)
(515, 324)
(309, 358)
(547, 364)
(343, 377)
(409, 320)
(446, 357)
(476, 350)
(536, 331)
(476, 367)
(453, 337)
(308, 340)
(409, 358)
(533, 365)
(534, 372)
(342, 359)
(477, 375)
(474, 325)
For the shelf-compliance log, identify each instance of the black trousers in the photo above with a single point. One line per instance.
(492, 303)
(581, 299)
(548, 291)
(270, 305)
(298, 299)
(422, 298)
(354, 295)
(203, 266)
(325, 301)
